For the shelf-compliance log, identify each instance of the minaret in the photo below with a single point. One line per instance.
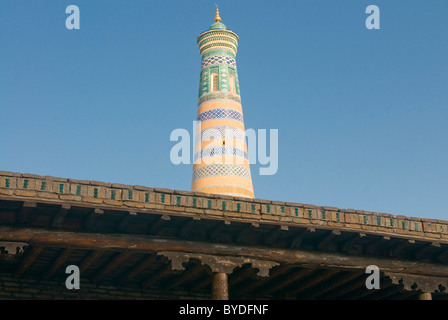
(221, 163)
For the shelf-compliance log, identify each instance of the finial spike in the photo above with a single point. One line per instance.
(217, 17)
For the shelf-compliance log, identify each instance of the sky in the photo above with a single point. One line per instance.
(361, 114)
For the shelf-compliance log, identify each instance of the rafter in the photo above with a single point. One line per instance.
(156, 276)
(57, 263)
(139, 268)
(111, 265)
(25, 211)
(59, 217)
(27, 260)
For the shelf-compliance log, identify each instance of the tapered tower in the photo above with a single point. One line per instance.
(221, 163)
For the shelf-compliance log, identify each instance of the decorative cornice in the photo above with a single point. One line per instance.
(30, 187)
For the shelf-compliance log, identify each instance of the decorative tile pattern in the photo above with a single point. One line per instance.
(218, 95)
(220, 113)
(218, 59)
(221, 132)
(221, 151)
(214, 170)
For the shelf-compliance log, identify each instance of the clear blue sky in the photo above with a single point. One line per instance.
(362, 114)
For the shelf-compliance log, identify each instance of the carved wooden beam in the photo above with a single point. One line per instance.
(418, 282)
(147, 244)
(217, 263)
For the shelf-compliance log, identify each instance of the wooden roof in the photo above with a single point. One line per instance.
(145, 238)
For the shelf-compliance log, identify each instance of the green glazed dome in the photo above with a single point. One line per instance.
(218, 25)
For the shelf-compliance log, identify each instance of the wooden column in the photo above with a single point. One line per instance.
(425, 296)
(220, 286)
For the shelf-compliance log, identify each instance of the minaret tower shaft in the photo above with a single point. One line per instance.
(221, 163)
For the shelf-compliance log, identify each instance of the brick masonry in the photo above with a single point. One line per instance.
(34, 187)
(32, 289)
